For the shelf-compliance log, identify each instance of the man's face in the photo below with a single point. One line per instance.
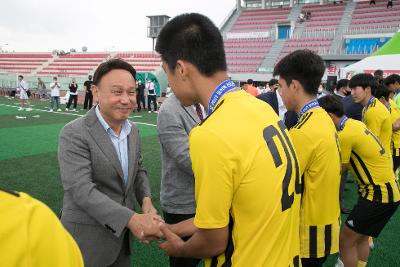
(180, 88)
(19, 78)
(274, 87)
(287, 93)
(358, 93)
(116, 94)
(346, 90)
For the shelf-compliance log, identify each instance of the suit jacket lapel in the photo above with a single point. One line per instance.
(102, 139)
(192, 113)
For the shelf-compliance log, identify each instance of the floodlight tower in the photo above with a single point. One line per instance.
(155, 25)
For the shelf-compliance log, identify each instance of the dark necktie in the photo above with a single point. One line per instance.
(198, 111)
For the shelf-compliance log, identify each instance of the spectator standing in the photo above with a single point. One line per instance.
(250, 88)
(140, 96)
(88, 103)
(23, 93)
(41, 89)
(73, 94)
(151, 95)
(55, 94)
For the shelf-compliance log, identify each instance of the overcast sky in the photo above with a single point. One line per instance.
(116, 25)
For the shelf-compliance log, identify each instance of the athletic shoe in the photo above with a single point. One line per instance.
(59, 109)
(28, 109)
(66, 109)
(51, 110)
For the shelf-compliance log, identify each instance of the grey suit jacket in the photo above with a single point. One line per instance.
(97, 205)
(174, 124)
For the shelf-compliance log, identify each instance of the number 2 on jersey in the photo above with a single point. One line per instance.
(270, 132)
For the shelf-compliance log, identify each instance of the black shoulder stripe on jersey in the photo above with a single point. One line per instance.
(390, 192)
(296, 261)
(215, 109)
(365, 169)
(230, 247)
(328, 239)
(305, 120)
(356, 172)
(301, 119)
(313, 241)
(16, 194)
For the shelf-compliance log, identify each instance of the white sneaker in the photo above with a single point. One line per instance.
(155, 111)
(74, 109)
(149, 111)
(51, 110)
(66, 109)
(28, 109)
(20, 109)
(59, 109)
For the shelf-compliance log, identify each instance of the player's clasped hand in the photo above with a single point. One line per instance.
(145, 227)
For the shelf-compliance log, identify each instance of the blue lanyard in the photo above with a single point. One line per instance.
(388, 105)
(367, 106)
(342, 122)
(222, 89)
(308, 106)
(369, 102)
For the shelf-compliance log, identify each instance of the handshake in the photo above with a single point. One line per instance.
(150, 226)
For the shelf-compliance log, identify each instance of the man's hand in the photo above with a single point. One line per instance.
(147, 206)
(173, 244)
(145, 227)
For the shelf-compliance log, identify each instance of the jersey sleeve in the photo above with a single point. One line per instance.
(304, 147)
(49, 243)
(213, 168)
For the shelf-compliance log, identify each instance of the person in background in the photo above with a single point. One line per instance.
(55, 94)
(342, 88)
(23, 94)
(177, 196)
(88, 103)
(140, 96)
(250, 88)
(73, 94)
(151, 95)
(41, 89)
(393, 83)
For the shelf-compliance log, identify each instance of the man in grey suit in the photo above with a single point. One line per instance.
(102, 173)
(174, 123)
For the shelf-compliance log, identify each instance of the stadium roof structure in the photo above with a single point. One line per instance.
(386, 58)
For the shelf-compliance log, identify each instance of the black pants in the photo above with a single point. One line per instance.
(313, 262)
(140, 101)
(180, 262)
(389, 4)
(72, 98)
(396, 162)
(152, 98)
(88, 101)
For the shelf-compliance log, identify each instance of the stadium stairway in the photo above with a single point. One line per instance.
(344, 24)
(268, 62)
(44, 65)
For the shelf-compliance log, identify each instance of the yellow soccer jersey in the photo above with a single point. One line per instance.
(245, 170)
(394, 116)
(315, 140)
(31, 235)
(377, 118)
(369, 162)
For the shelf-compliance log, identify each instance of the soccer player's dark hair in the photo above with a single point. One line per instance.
(332, 104)
(304, 66)
(194, 38)
(364, 80)
(112, 64)
(382, 91)
(392, 79)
